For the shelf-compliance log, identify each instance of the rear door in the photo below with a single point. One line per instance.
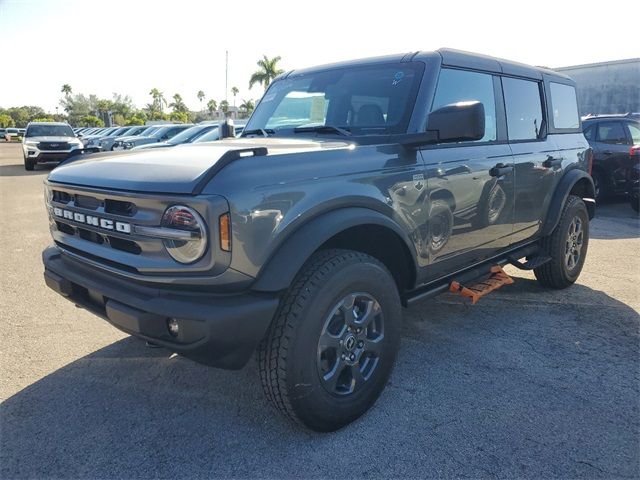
(611, 154)
(538, 164)
(470, 184)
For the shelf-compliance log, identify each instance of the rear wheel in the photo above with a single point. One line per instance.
(567, 246)
(332, 345)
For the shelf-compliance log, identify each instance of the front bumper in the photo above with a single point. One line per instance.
(217, 330)
(43, 156)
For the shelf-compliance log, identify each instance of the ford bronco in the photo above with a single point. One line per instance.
(355, 189)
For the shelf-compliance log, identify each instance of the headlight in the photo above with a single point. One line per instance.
(128, 145)
(30, 142)
(186, 219)
(48, 196)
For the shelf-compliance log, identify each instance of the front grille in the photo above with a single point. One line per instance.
(85, 201)
(53, 145)
(61, 197)
(118, 207)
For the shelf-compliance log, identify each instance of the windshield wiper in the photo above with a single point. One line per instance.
(265, 132)
(323, 129)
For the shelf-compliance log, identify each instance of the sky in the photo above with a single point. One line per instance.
(178, 46)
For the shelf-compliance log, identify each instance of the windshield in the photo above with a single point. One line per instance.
(49, 131)
(210, 136)
(148, 131)
(373, 99)
(190, 133)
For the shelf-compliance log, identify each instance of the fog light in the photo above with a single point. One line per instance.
(173, 326)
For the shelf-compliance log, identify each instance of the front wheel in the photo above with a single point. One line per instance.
(333, 342)
(29, 164)
(567, 246)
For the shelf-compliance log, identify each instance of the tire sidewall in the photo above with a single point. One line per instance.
(577, 209)
(309, 399)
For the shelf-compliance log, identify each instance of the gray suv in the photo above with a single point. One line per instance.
(355, 189)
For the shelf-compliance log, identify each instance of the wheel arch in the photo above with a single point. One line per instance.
(351, 228)
(574, 182)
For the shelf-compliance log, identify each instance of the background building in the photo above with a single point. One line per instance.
(607, 87)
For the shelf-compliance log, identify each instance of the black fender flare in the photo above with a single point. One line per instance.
(566, 184)
(283, 265)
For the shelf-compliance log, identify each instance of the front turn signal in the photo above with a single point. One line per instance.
(224, 224)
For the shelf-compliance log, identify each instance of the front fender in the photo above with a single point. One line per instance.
(281, 268)
(564, 188)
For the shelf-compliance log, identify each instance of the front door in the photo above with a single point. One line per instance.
(470, 185)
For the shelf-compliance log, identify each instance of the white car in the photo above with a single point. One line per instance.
(48, 142)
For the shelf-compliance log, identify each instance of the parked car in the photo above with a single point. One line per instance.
(106, 143)
(612, 138)
(161, 134)
(11, 133)
(189, 135)
(633, 180)
(93, 141)
(304, 238)
(119, 142)
(214, 135)
(48, 142)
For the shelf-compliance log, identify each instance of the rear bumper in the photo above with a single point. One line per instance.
(217, 330)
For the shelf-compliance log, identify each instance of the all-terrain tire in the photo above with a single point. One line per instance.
(29, 164)
(289, 357)
(564, 267)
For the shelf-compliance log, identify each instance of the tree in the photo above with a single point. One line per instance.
(247, 106)
(137, 119)
(66, 90)
(200, 97)
(224, 106)
(267, 72)
(234, 91)
(90, 121)
(158, 99)
(178, 104)
(6, 121)
(180, 117)
(43, 119)
(212, 106)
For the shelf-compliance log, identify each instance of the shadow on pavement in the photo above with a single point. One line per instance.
(521, 385)
(19, 171)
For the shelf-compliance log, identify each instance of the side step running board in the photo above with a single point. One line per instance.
(476, 291)
(531, 263)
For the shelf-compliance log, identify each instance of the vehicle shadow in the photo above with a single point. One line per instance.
(19, 171)
(484, 391)
(615, 219)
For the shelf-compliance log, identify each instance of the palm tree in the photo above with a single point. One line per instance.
(268, 71)
(178, 104)
(158, 99)
(66, 89)
(200, 97)
(234, 91)
(247, 106)
(224, 106)
(212, 106)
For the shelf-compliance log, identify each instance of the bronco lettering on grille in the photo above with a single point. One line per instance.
(105, 223)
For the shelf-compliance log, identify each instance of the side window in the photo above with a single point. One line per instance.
(460, 86)
(634, 132)
(524, 108)
(589, 133)
(564, 105)
(611, 132)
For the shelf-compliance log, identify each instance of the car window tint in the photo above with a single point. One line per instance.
(589, 132)
(564, 105)
(460, 86)
(634, 131)
(524, 108)
(611, 132)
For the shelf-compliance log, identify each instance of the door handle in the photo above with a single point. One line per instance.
(500, 169)
(608, 152)
(552, 162)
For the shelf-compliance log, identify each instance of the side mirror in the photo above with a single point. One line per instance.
(458, 122)
(226, 129)
(79, 135)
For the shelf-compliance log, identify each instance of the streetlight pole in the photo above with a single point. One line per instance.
(226, 76)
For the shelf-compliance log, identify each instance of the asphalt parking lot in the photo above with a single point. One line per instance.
(529, 383)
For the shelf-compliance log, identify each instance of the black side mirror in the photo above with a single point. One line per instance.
(79, 135)
(226, 129)
(458, 122)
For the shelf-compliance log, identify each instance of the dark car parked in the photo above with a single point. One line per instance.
(355, 189)
(612, 138)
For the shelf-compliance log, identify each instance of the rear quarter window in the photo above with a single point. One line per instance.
(564, 106)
